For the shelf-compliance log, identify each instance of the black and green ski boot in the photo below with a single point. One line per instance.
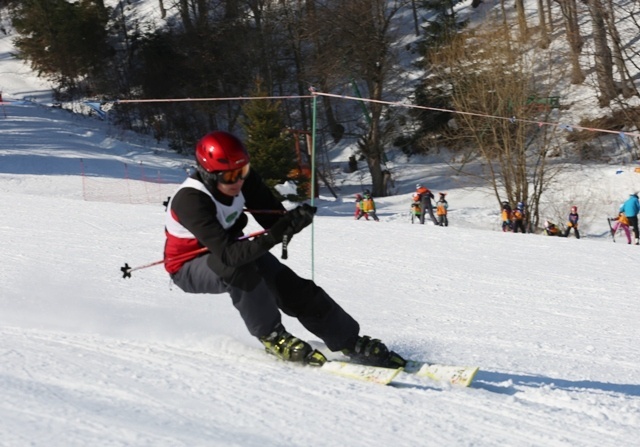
(372, 352)
(287, 347)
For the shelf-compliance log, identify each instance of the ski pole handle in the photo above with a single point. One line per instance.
(285, 246)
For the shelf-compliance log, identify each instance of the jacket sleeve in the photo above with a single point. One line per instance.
(195, 211)
(259, 197)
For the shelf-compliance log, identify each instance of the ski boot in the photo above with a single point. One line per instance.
(372, 352)
(287, 347)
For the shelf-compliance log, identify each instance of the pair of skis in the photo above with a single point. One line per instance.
(455, 375)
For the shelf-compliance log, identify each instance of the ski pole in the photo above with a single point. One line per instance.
(126, 270)
(266, 211)
(250, 235)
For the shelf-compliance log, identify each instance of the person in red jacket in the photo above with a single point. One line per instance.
(207, 211)
(426, 206)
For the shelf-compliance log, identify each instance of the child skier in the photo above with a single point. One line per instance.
(368, 206)
(573, 222)
(416, 209)
(506, 217)
(620, 222)
(359, 213)
(550, 229)
(441, 210)
(518, 217)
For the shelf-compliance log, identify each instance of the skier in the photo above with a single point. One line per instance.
(359, 212)
(425, 203)
(550, 229)
(441, 210)
(416, 209)
(518, 217)
(368, 206)
(207, 211)
(506, 217)
(573, 222)
(621, 222)
(631, 207)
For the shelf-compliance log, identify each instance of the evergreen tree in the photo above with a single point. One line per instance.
(62, 40)
(268, 143)
(441, 28)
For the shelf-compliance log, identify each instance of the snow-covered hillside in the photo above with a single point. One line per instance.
(88, 358)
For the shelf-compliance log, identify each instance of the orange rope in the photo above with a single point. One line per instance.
(513, 119)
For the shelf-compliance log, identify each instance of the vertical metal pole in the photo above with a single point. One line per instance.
(313, 176)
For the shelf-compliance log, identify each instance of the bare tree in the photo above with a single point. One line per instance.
(522, 20)
(354, 42)
(483, 80)
(602, 54)
(550, 15)
(163, 10)
(570, 15)
(626, 83)
(542, 25)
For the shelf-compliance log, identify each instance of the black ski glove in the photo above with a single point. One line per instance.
(301, 217)
(279, 229)
(293, 222)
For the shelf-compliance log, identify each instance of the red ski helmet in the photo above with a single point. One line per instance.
(574, 209)
(218, 152)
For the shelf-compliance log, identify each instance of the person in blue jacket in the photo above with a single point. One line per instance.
(630, 208)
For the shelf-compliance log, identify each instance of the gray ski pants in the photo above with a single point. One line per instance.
(260, 289)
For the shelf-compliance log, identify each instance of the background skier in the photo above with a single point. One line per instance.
(573, 222)
(426, 205)
(630, 208)
(621, 222)
(518, 217)
(359, 212)
(441, 210)
(416, 209)
(368, 206)
(505, 215)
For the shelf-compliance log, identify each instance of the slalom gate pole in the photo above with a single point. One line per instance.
(126, 270)
(313, 177)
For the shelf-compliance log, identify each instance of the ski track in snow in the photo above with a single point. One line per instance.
(75, 389)
(89, 358)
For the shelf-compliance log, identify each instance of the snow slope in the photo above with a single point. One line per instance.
(88, 358)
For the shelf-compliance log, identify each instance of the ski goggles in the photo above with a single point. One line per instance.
(231, 177)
